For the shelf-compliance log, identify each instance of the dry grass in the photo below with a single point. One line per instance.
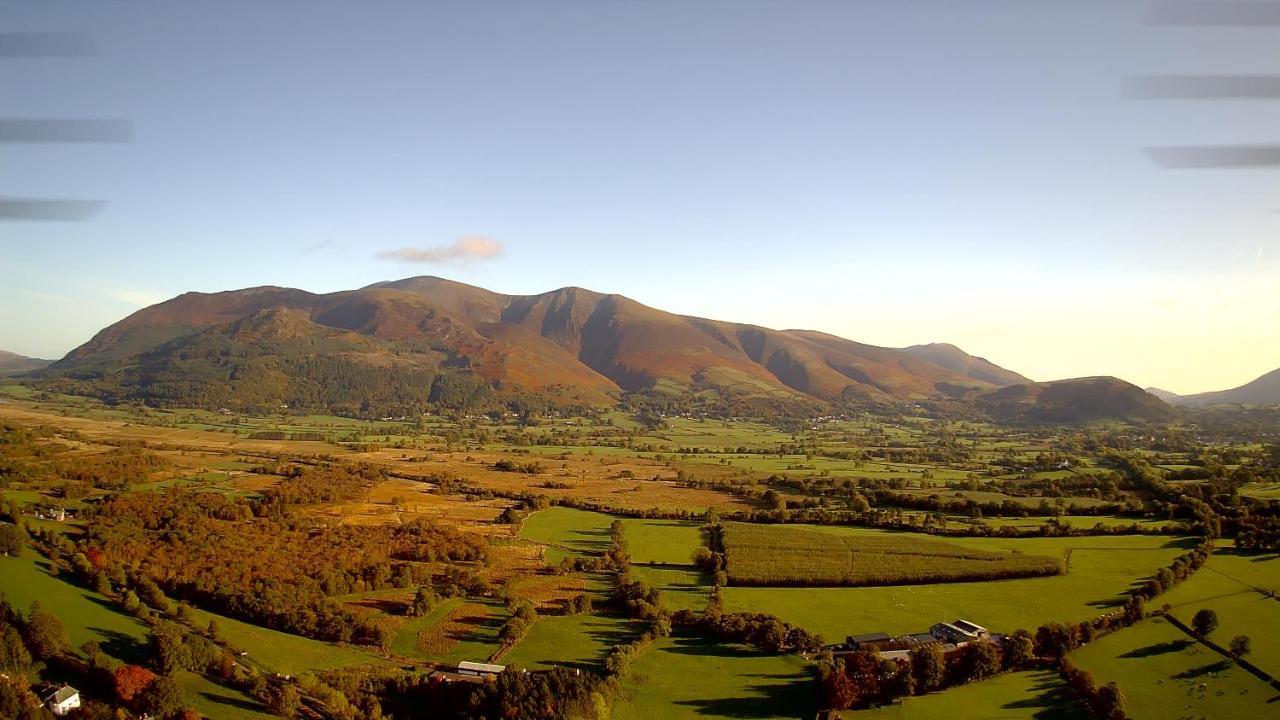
(440, 638)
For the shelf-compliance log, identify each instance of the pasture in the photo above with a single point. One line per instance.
(662, 542)
(578, 641)
(1101, 571)
(86, 615)
(1166, 674)
(688, 677)
(280, 652)
(782, 555)
(1028, 695)
(216, 701)
(1227, 585)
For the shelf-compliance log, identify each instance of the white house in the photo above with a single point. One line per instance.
(476, 669)
(63, 700)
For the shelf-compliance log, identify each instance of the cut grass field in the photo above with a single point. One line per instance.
(686, 677)
(1029, 695)
(1101, 571)
(1165, 674)
(576, 641)
(1226, 585)
(665, 542)
(567, 532)
(791, 556)
(86, 615)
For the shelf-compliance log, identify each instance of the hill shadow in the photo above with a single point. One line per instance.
(233, 701)
(1051, 700)
(795, 698)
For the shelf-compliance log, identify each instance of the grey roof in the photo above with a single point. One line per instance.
(64, 693)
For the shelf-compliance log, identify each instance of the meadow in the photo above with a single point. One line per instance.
(1101, 572)
(1228, 584)
(781, 555)
(86, 615)
(1165, 674)
(688, 677)
(1026, 695)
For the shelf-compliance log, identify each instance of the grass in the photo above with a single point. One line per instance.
(796, 556)
(567, 532)
(1221, 586)
(578, 641)
(1166, 674)
(686, 677)
(1029, 695)
(86, 615)
(666, 542)
(215, 701)
(1101, 571)
(280, 652)
(682, 588)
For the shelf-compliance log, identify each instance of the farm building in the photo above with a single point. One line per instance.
(63, 700)
(952, 632)
(475, 669)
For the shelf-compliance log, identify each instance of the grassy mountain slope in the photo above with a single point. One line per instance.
(1075, 400)
(11, 363)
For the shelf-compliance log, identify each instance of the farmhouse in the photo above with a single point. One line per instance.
(475, 669)
(947, 635)
(63, 700)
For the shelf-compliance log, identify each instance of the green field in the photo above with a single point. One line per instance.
(1101, 571)
(217, 702)
(87, 616)
(1266, 491)
(782, 555)
(567, 532)
(682, 588)
(1226, 585)
(1166, 674)
(684, 677)
(280, 652)
(579, 641)
(1029, 695)
(667, 542)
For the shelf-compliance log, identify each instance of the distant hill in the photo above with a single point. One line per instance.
(958, 361)
(393, 347)
(1164, 395)
(1262, 391)
(1076, 400)
(11, 363)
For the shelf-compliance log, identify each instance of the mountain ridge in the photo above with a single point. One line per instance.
(466, 343)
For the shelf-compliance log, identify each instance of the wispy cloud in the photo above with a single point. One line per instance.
(316, 247)
(134, 297)
(466, 249)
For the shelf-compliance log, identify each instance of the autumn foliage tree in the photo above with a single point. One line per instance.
(131, 680)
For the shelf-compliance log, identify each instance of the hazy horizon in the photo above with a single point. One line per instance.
(894, 174)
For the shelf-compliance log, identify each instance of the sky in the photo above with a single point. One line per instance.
(891, 172)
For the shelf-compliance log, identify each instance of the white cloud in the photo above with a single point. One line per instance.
(466, 249)
(136, 298)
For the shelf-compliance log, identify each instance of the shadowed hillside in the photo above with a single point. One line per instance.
(11, 363)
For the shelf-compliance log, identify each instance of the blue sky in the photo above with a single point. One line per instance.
(895, 173)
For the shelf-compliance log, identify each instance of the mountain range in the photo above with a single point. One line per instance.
(1264, 390)
(11, 363)
(399, 344)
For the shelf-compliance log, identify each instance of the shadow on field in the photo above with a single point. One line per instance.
(1051, 700)
(794, 698)
(1195, 672)
(120, 646)
(232, 701)
(1172, 646)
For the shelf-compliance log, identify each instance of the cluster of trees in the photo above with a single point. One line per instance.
(207, 549)
(861, 679)
(762, 630)
(37, 643)
(321, 483)
(1105, 702)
